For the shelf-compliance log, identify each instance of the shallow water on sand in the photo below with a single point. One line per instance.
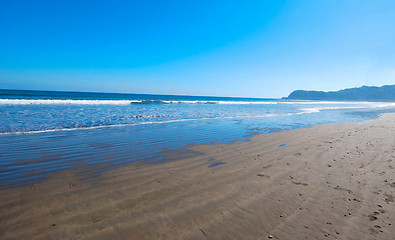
(28, 158)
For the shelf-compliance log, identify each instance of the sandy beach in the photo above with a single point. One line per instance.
(332, 181)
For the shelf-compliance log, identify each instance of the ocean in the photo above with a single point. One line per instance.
(46, 132)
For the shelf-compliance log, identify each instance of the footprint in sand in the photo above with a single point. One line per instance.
(388, 198)
(373, 231)
(263, 175)
(382, 211)
(299, 183)
(372, 217)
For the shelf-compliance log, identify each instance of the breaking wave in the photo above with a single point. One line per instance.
(127, 102)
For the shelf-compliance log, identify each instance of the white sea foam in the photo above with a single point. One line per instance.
(127, 102)
(364, 106)
(142, 123)
(63, 102)
(113, 102)
(221, 102)
(318, 109)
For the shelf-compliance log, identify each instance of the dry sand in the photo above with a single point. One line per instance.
(334, 181)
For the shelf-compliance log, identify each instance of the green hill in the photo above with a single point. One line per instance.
(364, 93)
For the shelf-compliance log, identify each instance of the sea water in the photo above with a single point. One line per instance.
(43, 132)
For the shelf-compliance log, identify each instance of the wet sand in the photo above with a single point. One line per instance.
(333, 181)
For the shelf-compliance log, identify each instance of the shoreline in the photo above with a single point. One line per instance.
(330, 181)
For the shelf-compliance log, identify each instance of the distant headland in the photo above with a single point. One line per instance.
(364, 93)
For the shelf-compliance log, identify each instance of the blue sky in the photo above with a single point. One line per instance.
(221, 48)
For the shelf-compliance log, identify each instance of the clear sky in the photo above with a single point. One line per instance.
(222, 48)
